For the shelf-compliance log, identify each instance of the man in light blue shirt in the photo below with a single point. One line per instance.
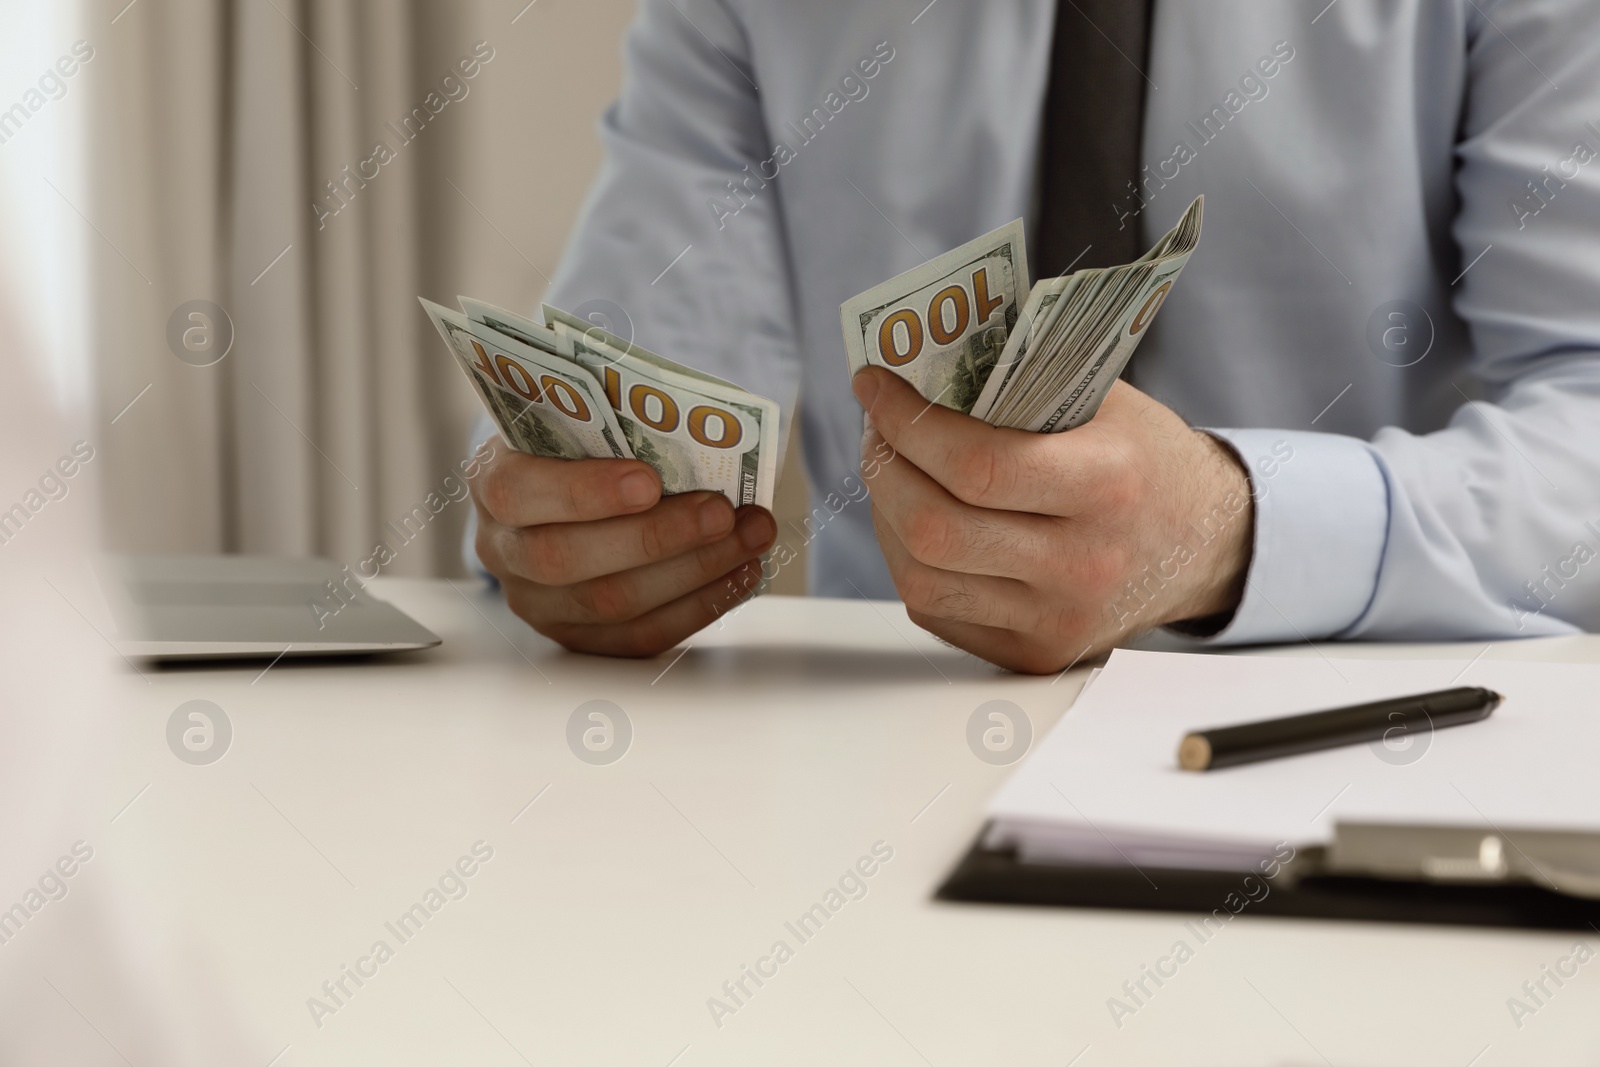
(1393, 321)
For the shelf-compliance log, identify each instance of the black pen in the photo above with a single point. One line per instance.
(1225, 746)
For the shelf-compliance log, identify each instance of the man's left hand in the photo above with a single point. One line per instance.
(1035, 550)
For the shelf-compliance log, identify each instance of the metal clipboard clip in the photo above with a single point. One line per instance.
(1563, 861)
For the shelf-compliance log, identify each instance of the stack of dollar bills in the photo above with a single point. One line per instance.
(567, 389)
(958, 329)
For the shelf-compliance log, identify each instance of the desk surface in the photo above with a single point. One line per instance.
(765, 761)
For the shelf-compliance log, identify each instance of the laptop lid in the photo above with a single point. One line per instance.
(210, 607)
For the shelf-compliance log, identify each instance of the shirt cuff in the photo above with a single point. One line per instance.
(1321, 525)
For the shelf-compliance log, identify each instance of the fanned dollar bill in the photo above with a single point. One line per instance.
(1059, 356)
(1063, 385)
(698, 431)
(942, 326)
(597, 334)
(1037, 316)
(523, 329)
(542, 405)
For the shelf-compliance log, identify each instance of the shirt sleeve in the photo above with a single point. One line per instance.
(1487, 528)
(658, 244)
(658, 254)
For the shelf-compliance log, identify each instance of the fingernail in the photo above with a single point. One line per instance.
(715, 517)
(865, 386)
(755, 529)
(637, 489)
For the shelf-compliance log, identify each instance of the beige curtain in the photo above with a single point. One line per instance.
(217, 127)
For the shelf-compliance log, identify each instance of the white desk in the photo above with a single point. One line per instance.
(764, 762)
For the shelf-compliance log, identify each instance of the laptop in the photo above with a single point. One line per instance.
(249, 607)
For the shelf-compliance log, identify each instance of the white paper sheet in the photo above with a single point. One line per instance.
(1105, 784)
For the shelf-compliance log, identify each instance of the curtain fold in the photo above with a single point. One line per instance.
(237, 155)
(311, 167)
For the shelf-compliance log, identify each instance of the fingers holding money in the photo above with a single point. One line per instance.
(591, 555)
(1000, 619)
(656, 631)
(1166, 535)
(939, 530)
(566, 553)
(517, 489)
(627, 595)
(649, 609)
(982, 465)
(958, 595)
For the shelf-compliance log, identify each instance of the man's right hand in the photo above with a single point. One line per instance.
(592, 556)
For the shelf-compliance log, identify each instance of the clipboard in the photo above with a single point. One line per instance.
(1455, 876)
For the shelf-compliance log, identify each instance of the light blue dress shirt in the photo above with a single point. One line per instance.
(1393, 315)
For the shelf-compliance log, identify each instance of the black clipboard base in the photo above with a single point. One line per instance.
(998, 877)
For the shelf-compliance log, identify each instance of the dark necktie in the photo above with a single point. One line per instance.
(1093, 123)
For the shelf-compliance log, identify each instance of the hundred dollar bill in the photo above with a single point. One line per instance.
(1078, 405)
(1063, 347)
(596, 333)
(696, 431)
(1060, 355)
(1075, 366)
(943, 325)
(542, 404)
(1038, 314)
(543, 335)
(510, 323)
